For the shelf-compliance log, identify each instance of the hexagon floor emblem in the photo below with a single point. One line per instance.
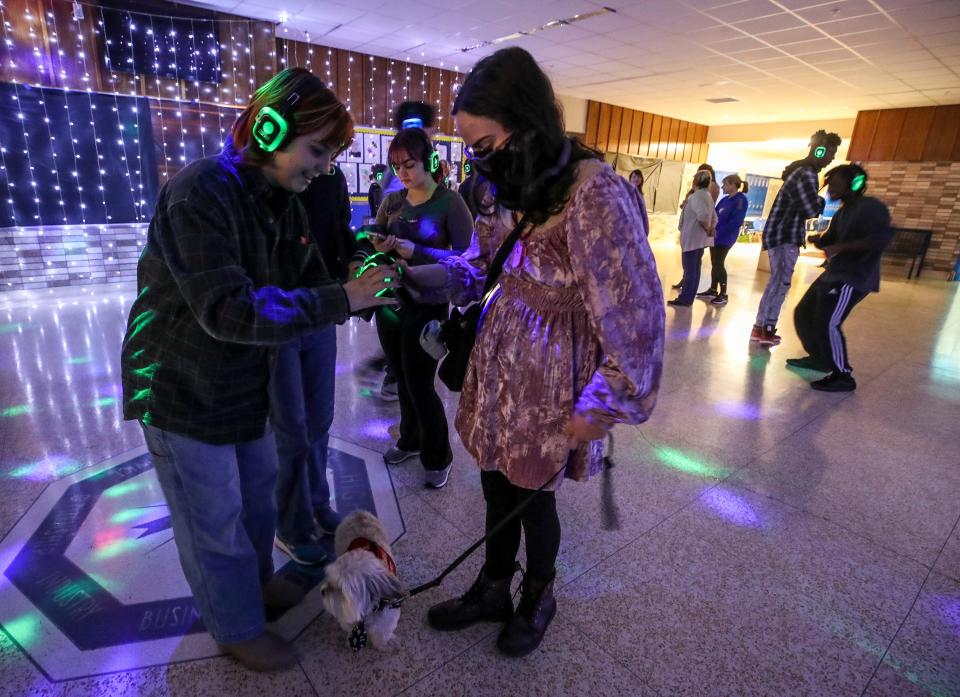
(91, 582)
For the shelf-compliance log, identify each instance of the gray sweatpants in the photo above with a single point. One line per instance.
(783, 259)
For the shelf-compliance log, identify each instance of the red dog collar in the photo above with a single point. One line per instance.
(376, 550)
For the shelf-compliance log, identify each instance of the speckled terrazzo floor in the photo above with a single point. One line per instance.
(773, 540)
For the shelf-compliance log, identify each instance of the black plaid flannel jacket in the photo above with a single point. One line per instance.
(796, 201)
(229, 270)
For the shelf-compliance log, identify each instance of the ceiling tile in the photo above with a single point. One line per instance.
(841, 10)
(791, 36)
(744, 10)
(806, 47)
(765, 25)
(857, 24)
(735, 45)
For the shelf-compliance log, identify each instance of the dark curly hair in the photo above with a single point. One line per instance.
(534, 119)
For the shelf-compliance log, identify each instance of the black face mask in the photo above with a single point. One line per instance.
(504, 168)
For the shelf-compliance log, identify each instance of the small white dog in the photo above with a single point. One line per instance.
(363, 576)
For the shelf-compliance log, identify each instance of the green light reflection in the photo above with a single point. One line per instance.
(126, 515)
(122, 489)
(104, 402)
(24, 629)
(79, 360)
(678, 460)
(17, 410)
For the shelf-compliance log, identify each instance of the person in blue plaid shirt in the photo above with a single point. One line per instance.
(784, 232)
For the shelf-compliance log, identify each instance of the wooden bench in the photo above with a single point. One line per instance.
(912, 244)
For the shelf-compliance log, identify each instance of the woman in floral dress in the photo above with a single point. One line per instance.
(570, 344)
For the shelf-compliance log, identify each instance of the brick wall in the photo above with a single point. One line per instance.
(71, 255)
(923, 195)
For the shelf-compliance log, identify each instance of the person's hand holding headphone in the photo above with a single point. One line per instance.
(365, 291)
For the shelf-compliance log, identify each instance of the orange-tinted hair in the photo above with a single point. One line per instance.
(318, 108)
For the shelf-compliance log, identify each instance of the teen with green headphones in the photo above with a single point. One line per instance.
(785, 229)
(853, 244)
(423, 223)
(225, 277)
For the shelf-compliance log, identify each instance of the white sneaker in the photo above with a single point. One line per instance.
(437, 479)
(389, 390)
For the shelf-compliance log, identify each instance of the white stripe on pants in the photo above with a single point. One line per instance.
(837, 347)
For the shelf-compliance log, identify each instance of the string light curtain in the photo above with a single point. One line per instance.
(104, 103)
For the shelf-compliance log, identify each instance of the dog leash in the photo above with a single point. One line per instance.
(610, 522)
(358, 636)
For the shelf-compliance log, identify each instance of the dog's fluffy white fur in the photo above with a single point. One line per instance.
(357, 580)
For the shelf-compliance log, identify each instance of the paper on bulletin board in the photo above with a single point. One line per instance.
(385, 149)
(456, 154)
(371, 148)
(350, 173)
(444, 151)
(366, 170)
(355, 150)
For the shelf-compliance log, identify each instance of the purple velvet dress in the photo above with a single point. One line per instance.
(577, 325)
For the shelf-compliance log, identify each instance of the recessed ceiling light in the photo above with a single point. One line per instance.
(722, 100)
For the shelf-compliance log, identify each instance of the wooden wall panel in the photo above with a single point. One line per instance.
(593, 123)
(687, 135)
(620, 129)
(919, 134)
(616, 118)
(603, 130)
(887, 135)
(625, 127)
(943, 134)
(655, 129)
(636, 129)
(913, 135)
(643, 149)
(862, 139)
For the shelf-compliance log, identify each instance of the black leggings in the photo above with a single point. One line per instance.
(718, 272)
(423, 422)
(539, 520)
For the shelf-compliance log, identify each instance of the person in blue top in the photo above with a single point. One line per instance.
(731, 210)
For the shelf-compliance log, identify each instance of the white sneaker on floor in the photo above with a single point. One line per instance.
(389, 390)
(437, 479)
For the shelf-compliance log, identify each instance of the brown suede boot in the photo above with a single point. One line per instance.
(526, 628)
(264, 653)
(488, 600)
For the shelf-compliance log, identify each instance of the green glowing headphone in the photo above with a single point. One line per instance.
(274, 127)
(858, 182)
(820, 152)
(431, 162)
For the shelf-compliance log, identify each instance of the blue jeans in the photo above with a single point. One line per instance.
(223, 520)
(691, 275)
(301, 412)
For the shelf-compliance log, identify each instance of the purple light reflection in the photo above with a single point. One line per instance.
(949, 610)
(378, 429)
(732, 507)
(739, 410)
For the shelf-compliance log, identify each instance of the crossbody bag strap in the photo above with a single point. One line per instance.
(496, 266)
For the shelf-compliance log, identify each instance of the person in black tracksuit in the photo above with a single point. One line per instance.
(853, 244)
